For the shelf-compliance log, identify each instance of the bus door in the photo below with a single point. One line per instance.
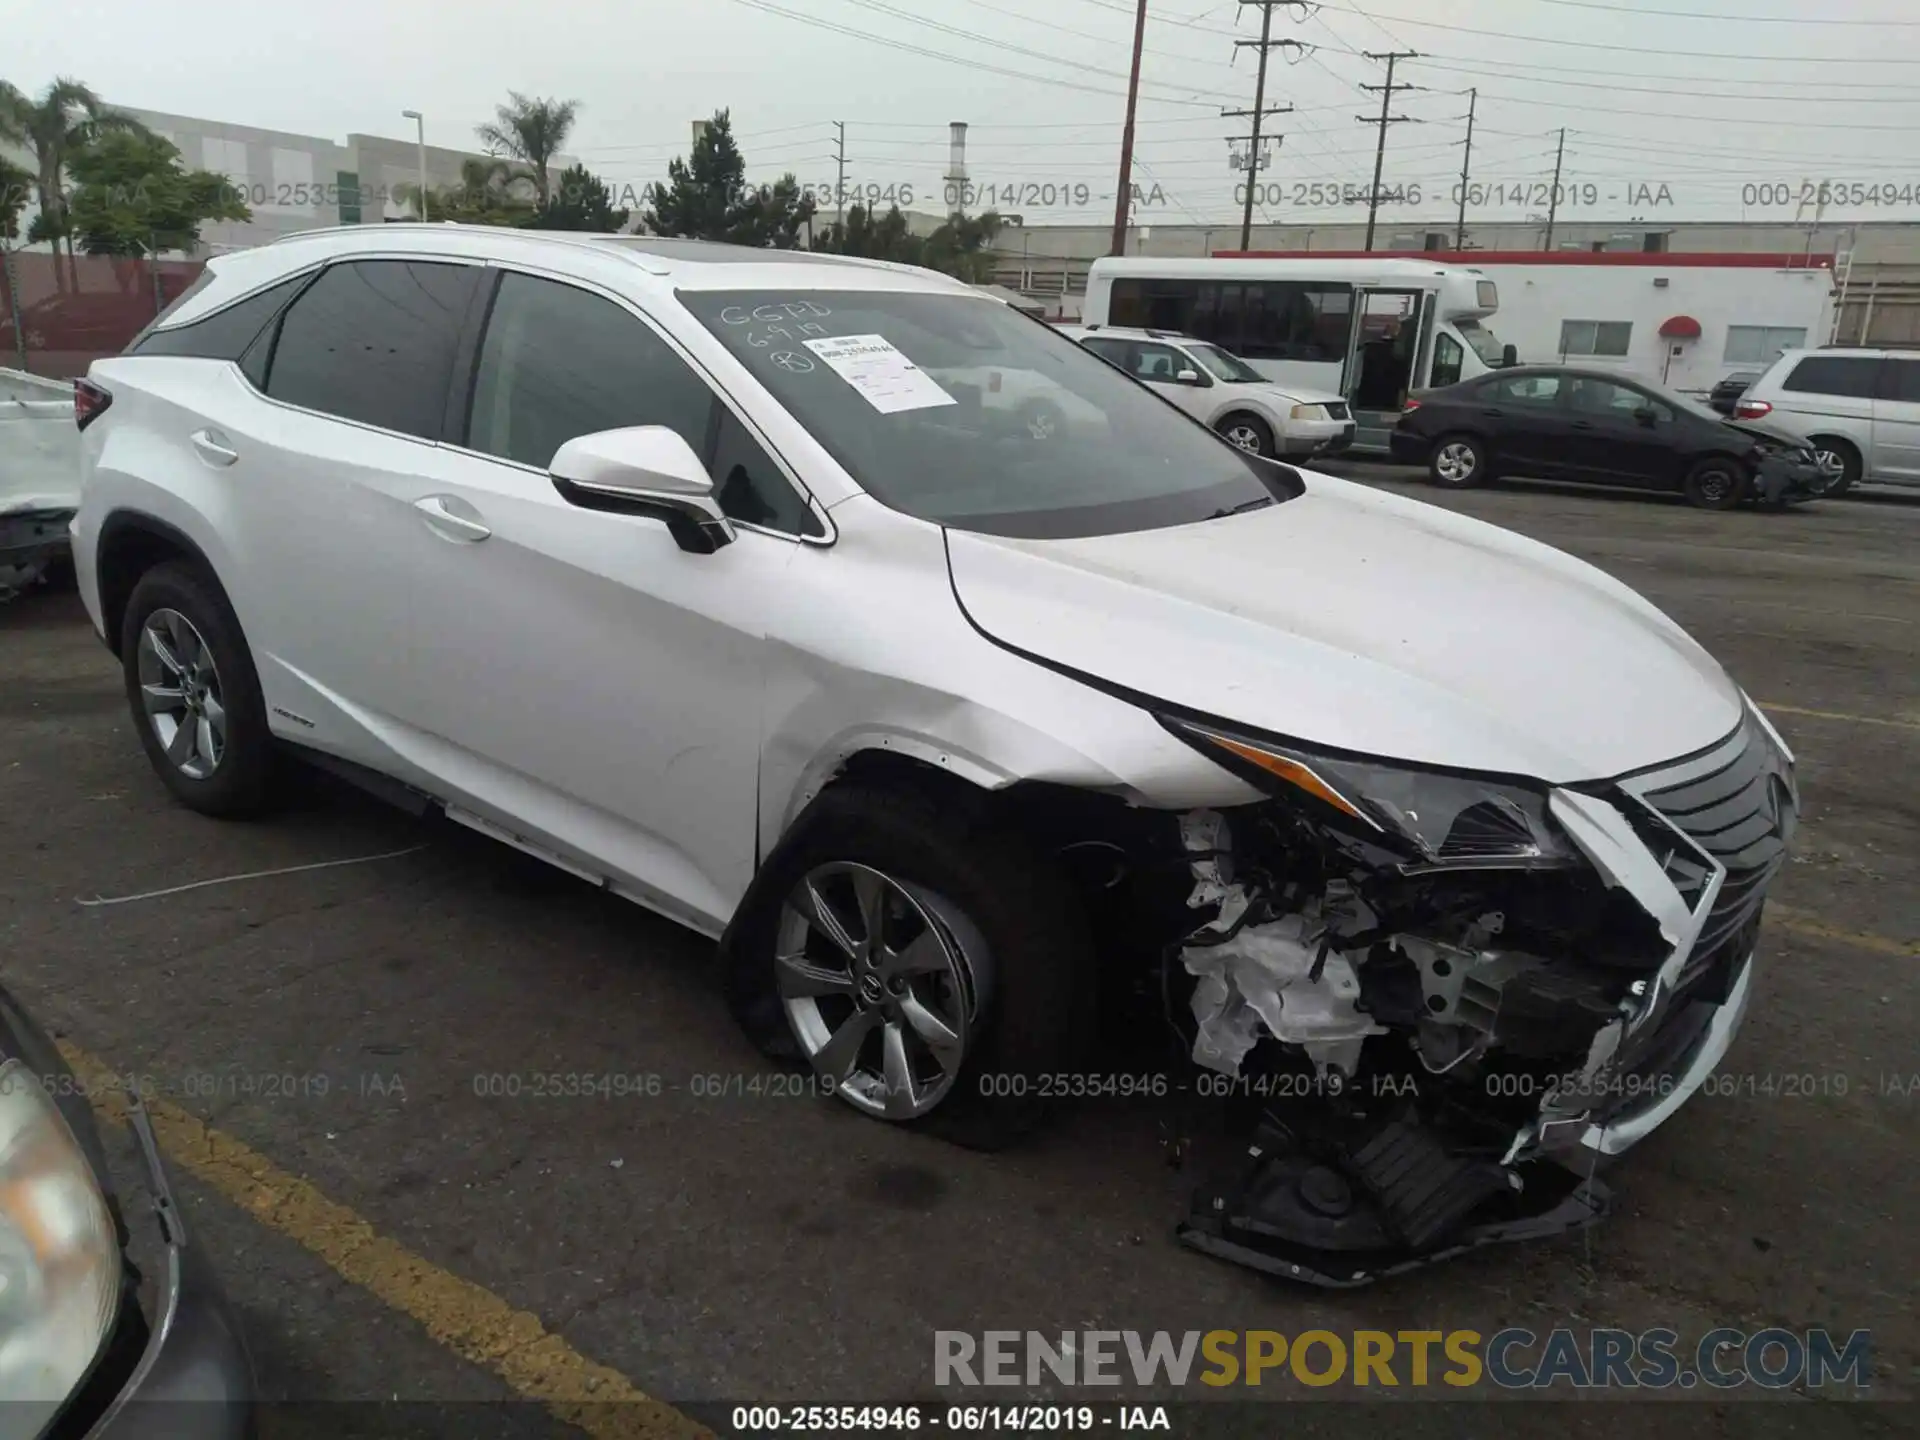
(1392, 341)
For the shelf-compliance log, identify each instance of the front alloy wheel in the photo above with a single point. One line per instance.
(882, 983)
(1456, 463)
(180, 691)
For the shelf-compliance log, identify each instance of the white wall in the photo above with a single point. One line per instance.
(1536, 299)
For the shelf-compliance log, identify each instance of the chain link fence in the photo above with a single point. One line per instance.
(59, 314)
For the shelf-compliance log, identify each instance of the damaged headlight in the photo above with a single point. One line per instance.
(1444, 820)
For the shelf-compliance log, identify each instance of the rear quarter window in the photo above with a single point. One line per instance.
(1851, 375)
(227, 332)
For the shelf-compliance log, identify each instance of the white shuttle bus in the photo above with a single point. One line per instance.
(1371, 330)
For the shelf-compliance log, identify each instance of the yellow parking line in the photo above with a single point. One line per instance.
(473, 1322)
(1801, 922)
(1839, 715)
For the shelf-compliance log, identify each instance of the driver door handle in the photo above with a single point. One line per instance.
(1581, 424)
(1493, 412)
(452, 518)
(213, 447)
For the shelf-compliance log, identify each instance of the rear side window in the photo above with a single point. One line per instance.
(1854, 375)
(225, 334)
(374, 341)
(1901, 381)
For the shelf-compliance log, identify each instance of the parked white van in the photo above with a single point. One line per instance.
(1858, 409)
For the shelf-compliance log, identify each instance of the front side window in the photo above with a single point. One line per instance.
(559, 362)
(958, 410)
(373, 341)
(1448, 358)
(1156, 362)
(1762, 344)
(1854, 376)
(1609, 338)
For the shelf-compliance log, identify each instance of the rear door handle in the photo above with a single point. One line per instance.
(452, 517)
(1580, 424)
(213, 447)
(1493, 412)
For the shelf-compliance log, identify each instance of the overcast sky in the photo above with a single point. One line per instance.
(1713, 109)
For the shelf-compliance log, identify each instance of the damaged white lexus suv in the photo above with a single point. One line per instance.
(958, 684)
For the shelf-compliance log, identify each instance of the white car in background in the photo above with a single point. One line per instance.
(1219, 389)
(727, 580)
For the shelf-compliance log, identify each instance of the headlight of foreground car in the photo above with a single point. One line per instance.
(59, 1253)
(1448, 820)
(1309, 412)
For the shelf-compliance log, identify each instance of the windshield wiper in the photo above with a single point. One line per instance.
(1260, 503)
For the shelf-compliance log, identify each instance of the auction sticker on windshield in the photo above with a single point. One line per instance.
(885, 377)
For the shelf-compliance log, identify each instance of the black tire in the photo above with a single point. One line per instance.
(240, 784)
(1040, 1016)
(1718, 482)
(1258, 435)
(1847, 454)
(1457, 461)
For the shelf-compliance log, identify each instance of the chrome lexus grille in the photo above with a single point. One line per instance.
(1735, 804)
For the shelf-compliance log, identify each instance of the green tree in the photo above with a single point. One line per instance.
(491, 192)
(581, 203)
(963, 247)
(52, 127)
(707, 197)
(531, 132)
(16, 188)
(132, 197)
(885, 238)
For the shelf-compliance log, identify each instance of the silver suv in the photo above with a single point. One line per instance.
(1859, 409)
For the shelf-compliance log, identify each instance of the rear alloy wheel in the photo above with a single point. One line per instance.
(194, 694)
(1458, 462)
(1839, 465)
(1716, 484)
(1249, 433)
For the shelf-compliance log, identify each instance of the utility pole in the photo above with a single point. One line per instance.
(1385, 119)
(840, 175)
(1265, 46)
(1125, 192)
(1553, 197)
(1466, 169)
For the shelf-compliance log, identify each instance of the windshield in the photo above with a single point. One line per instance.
(1223, 366)
(962, 411)
(1485, 344)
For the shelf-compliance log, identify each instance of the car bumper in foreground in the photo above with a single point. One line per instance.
(193, 1380)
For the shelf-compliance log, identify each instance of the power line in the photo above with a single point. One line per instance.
(1667, 115)
(1386, 119)
(984, 67)
(941, 27)
(1743, 18)
(1639, 49)
(1908, 98)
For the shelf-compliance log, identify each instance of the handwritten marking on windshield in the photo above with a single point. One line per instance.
(787, 360)
(773, 314)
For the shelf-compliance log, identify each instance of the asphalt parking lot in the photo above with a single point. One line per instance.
(333, 1050)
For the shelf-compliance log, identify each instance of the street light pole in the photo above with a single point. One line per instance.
(420, 129)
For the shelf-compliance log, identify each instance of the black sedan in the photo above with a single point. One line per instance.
(1724, 396)
(1557, 422)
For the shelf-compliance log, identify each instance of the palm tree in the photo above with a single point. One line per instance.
(66, 117)
(532, 132)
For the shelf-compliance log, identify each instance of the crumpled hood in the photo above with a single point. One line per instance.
(1355, 619)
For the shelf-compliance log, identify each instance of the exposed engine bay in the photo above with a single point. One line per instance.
(1441, 1048)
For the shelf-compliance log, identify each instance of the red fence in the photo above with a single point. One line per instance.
(72, 315)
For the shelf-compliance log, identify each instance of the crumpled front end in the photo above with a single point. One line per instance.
(1446, 1039)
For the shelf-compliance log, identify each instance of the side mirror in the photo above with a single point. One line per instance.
(1187, 377)
(647, 470)
(1509, 356)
